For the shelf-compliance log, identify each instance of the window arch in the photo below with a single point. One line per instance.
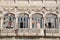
(37, 20)
(51, 21)
(9, 20)
(23, 20)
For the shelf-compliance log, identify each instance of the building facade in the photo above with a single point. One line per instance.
(29, 19)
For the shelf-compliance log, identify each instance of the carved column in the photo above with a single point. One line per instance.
(44, 20)
(16, 18)
(30, 21)
(2, 20)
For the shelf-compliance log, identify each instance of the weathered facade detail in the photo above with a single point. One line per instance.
(29, 19)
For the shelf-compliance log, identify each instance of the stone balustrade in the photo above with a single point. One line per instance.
(52, 32)
(7, 32)
(29, 32)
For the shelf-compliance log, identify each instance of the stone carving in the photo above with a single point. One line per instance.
(9, 9)
(22, 9)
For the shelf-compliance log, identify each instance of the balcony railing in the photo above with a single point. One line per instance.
(7, 32)
(21, 31)
(29, 32)
(52, 32)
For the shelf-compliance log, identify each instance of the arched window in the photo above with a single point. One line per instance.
(23, 20)
(51, 21)
(9, 20)
(37, 21)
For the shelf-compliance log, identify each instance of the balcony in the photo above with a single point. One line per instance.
(51, 32)
(7, 32)
(29, 32)
(22, 31)
(37, 32)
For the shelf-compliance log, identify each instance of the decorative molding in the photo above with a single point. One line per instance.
(12, 9)
(43, 9)
(22, 9)
(9, 9)
(5, 9)
(36, 9)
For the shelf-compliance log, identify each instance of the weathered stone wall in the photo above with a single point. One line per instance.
(30, 7)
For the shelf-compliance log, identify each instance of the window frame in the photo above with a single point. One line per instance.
(53, 19)
(39, 18)
(25, 20)
(6, 19)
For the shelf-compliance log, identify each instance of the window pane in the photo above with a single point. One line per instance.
(24, 19)
(37, 21)
(9, 20)
(51, 20)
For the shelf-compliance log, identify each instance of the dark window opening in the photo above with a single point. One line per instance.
(46, 25)
(49, 25)
(21, 25)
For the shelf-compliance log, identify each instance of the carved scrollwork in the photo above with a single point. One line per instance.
(49, 9)
(5, 9)
(42, 9)
(12, 9)
(52, 9)
(37, 9)
(22, 9)
(9, 9)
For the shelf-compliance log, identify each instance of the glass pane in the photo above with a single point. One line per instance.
(51, 20)
(37, 21)
(9, 20)
(23, 18)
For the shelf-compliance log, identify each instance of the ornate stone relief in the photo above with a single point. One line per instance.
(52, 9)
(36, 10)
(9, 9)
(43, 9)
(12, 9)
(22, 9)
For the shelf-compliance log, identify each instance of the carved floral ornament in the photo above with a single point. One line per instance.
(32, 9)
(22, 9)
(8, 9)
(44, 9)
